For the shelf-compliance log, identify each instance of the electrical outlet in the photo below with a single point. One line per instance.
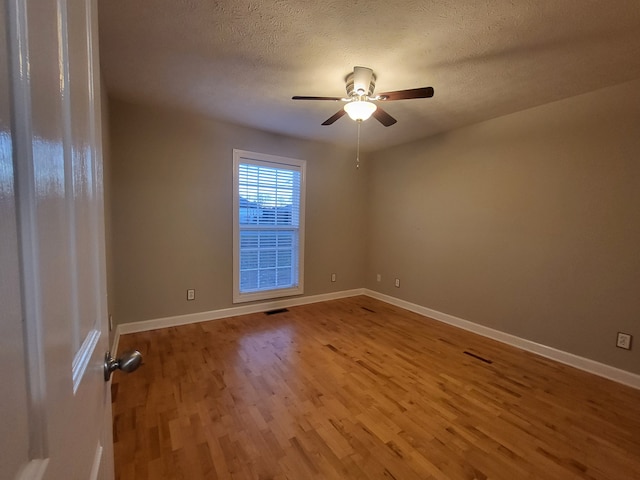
(378, 277)
(397, 282)
(191, 294)
(624, 341)
(333, 277)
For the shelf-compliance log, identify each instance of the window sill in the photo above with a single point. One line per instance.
(267, 294)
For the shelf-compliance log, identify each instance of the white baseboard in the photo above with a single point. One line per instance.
(177, 320)
(34, 470)
(116, 342)
(97, 462)
(591, 366)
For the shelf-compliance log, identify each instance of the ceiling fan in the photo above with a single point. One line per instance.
(360, 86)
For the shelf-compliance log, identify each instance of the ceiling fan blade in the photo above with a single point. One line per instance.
(335, 99)
(423, 92)
(383, 117)
(335, 117)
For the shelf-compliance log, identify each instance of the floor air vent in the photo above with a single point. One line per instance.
(478, 357)
(277, 310)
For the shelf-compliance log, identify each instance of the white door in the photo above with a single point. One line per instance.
(56, 407)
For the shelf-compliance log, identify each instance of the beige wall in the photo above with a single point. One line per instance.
(529, 223)
(172, 218)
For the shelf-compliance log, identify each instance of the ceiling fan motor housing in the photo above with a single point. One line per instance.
(362, 81)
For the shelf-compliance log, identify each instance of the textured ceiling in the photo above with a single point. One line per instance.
(242, 60)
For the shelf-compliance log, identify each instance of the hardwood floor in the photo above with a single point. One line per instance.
(359, 389)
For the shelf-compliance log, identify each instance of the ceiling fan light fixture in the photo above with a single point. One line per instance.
(360, 110)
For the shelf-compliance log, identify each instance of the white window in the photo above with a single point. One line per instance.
(268, 226)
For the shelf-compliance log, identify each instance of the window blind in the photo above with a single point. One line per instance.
(268, 202)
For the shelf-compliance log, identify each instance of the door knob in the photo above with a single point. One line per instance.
(128, 362)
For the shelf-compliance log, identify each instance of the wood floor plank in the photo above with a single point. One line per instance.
(360, 389)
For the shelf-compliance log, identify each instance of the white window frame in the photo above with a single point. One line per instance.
(273, 161)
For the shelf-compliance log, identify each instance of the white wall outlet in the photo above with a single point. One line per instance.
(378, 277)
(397, 282)
(191, 294)
(624, 341)
(333, 277)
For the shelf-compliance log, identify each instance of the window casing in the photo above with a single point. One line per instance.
(268, 226)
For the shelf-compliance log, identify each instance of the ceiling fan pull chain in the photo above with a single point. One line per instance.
(359, 122)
